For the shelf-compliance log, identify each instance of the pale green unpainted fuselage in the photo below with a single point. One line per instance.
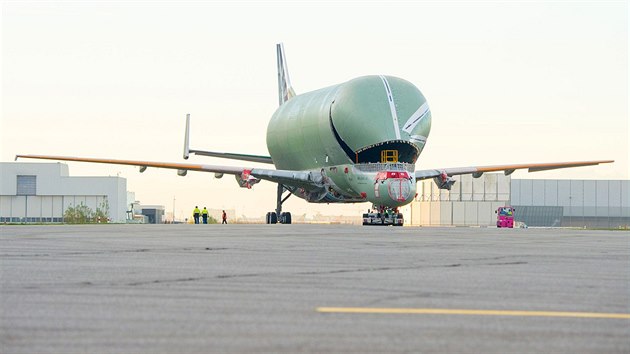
(339, 133)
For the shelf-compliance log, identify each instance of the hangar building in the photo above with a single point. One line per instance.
(41, 192)
(538, 202)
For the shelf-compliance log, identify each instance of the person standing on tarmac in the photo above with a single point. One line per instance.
(204, 215)
(196, 214)
(224, 217)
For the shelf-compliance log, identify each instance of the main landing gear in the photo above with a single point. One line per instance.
(278, 216)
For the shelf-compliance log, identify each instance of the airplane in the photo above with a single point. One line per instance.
(353, 142)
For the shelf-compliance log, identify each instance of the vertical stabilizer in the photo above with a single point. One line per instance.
(285, 90)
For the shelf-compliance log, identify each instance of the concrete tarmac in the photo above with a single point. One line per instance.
(262, 288)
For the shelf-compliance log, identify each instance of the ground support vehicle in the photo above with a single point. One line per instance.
(505, 217)
(383, 218)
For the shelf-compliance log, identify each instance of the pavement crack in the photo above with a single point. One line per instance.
(506, 263)
(160, 281)
(76, 253)
(139, 250)
(228, 276)
(378, 269)
(415, 295)
(485, 258)
(337, 271)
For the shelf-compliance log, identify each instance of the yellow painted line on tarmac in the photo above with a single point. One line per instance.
(407, 311)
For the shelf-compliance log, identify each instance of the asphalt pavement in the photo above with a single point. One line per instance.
(312, 289)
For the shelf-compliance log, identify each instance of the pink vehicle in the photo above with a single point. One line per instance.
(505, 216)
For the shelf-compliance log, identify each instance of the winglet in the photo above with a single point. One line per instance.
(285, 90)
(186, 138)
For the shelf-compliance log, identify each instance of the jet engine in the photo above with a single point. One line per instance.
(444, 181)
(246, 180)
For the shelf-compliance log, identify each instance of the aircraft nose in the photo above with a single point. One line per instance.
(394, 188)
(399, 189)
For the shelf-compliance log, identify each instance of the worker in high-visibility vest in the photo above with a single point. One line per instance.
(204, 215)
(196, 213)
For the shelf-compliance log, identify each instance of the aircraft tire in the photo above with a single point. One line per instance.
(285, 218)
(273, 218)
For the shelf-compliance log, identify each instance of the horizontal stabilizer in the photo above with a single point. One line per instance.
(234, 156)
(224, 155)
(186, 138)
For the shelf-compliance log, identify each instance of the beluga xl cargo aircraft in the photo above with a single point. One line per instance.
(353, 142)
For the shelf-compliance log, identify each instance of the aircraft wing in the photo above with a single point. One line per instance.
(304, 178)
(477, 171)
(298, 178)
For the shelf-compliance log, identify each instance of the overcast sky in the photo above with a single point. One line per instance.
(507, 82)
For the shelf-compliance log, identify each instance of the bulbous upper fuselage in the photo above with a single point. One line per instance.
(350, 132)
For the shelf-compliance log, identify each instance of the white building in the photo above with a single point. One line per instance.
(472, 202)
(41, 192)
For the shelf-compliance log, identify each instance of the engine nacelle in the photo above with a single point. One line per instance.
(311, 196)
(444, 181)
(246, 180)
